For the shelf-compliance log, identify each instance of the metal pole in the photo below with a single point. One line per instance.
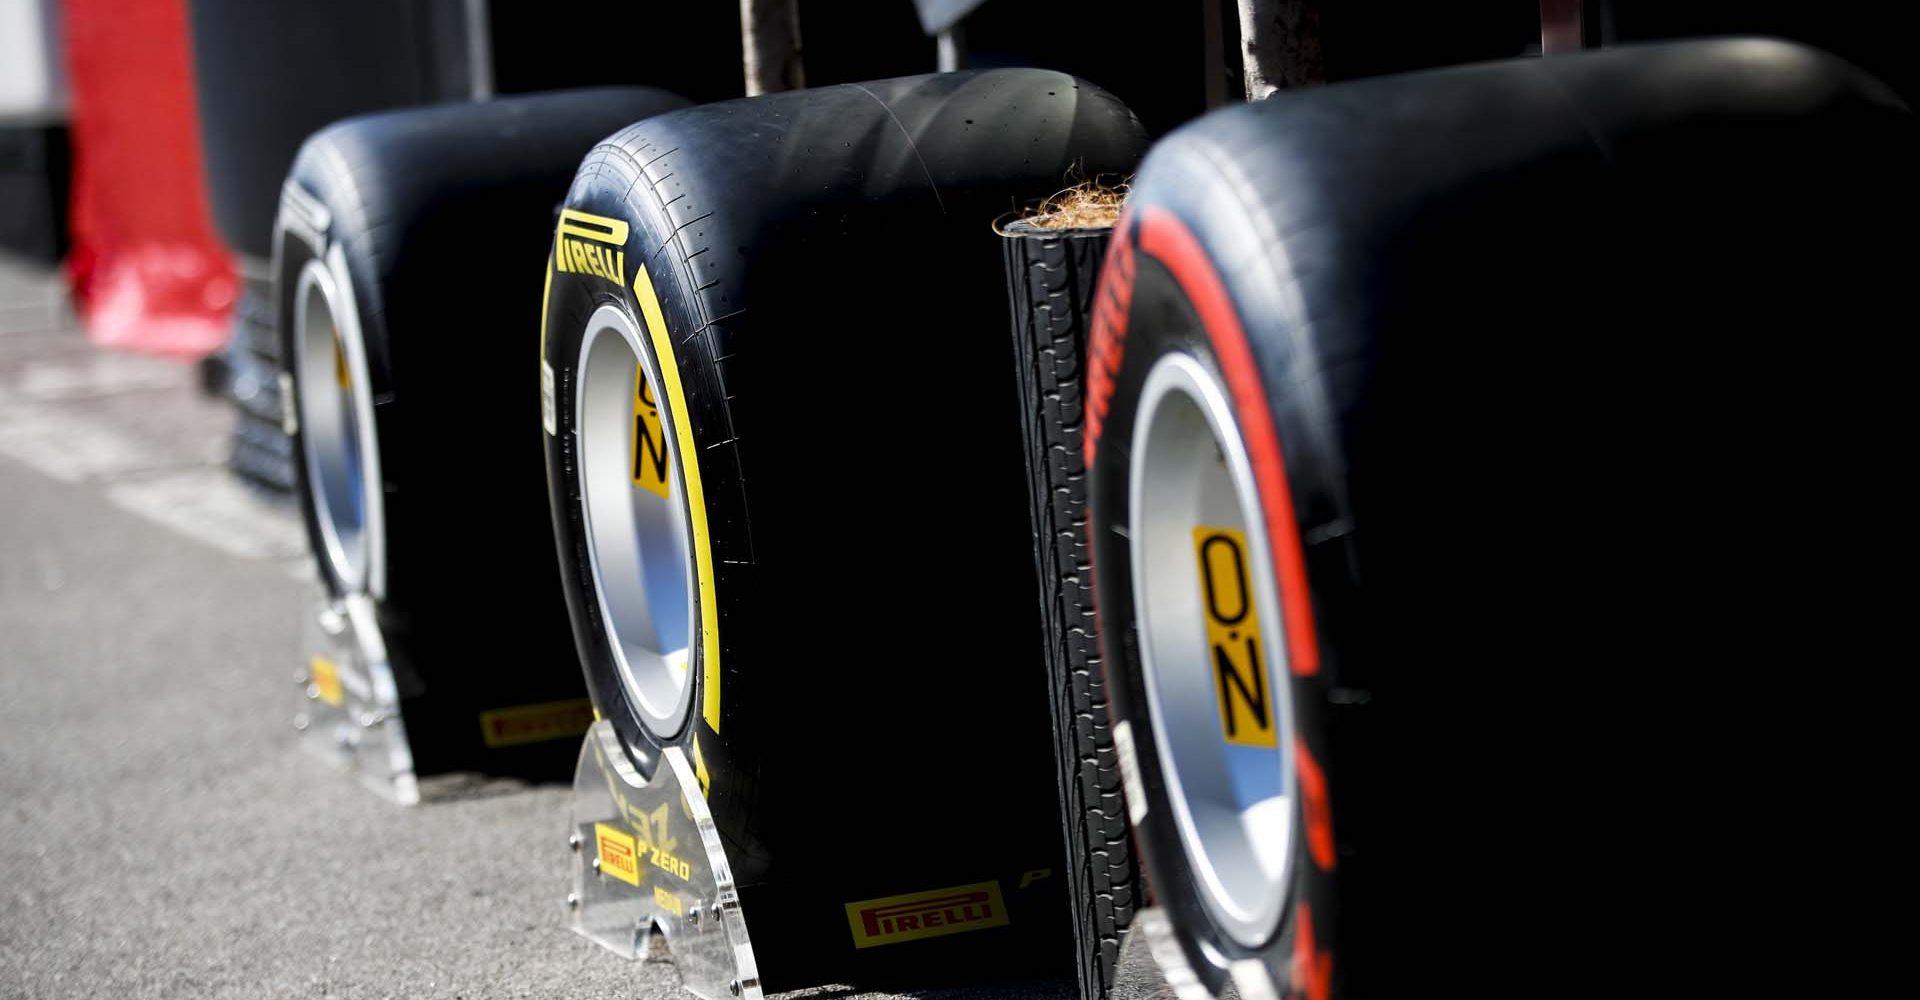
(1280, 45)
(1215, 53)
(770, 45)
(952, 47)
(479, 50)
(1562, 27)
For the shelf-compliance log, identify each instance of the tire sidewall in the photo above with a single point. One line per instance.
(294, 248)
(572, 299)
(1151, 317)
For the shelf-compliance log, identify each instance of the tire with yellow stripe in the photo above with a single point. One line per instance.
(400, 234)
(789, 499)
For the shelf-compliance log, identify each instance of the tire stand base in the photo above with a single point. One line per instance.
(350, 716)
(646, 857)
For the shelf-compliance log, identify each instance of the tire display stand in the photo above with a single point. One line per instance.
(350, 710)
(647, 857)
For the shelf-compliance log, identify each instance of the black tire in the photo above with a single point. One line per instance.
(35, 173)
(1051, 275)
(269, 75)
(419, 222)
(821, 268)
(1514, 350)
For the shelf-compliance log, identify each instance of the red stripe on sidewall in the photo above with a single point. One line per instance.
(1164, 237)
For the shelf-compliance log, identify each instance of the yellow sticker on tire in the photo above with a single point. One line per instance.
(1233, 638)
(917, 915)
(650, 466)
(522, 724)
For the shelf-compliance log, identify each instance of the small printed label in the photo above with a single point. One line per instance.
(326, 680)
(1233, 638)
(547, 419)
(917, 915)
(554, 720)
(668, 901)
(289, 410)
(649, 438)
(618, 859)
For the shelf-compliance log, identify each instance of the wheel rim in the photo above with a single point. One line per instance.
(638, 542)
(334, 407)
(1203, 586)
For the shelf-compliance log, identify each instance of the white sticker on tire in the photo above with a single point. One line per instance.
(546, 398)
(1129, 771)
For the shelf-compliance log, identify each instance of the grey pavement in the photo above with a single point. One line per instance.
(161, 835)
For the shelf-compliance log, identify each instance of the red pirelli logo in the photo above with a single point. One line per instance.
(916, 915)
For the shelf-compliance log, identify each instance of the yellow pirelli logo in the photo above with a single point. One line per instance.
(917, 915)
(649, 438)
(618, 857)
(591, 244)
(553, 720)
(1233, 638)
(326, 680)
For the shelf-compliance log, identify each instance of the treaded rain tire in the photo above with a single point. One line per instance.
(1051, 275)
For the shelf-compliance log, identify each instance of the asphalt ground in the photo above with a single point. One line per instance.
(161, 834)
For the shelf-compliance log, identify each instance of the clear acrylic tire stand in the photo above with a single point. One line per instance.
(350, 715)
(647, 857)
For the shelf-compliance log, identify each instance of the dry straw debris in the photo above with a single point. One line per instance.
(1089, 204)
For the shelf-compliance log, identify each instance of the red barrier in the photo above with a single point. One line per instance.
(148, 273)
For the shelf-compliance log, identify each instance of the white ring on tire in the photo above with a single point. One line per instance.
(339, 446)
(639, 545)
(1233, 804)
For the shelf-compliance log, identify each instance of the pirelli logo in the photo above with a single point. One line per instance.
(917, 915)
(591, 244)
(618, 856)
(553, 720)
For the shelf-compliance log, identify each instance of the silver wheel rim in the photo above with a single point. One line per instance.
(638, 542)
(1193, 497)
(336, 422)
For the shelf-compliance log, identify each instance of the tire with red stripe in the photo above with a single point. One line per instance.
(1214, 532)
(1520, 345)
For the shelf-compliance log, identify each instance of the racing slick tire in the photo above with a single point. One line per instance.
(788, 496)
(1419, 408)
(402, 240)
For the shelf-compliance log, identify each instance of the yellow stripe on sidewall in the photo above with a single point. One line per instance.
(696, 499)
(546, 290)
